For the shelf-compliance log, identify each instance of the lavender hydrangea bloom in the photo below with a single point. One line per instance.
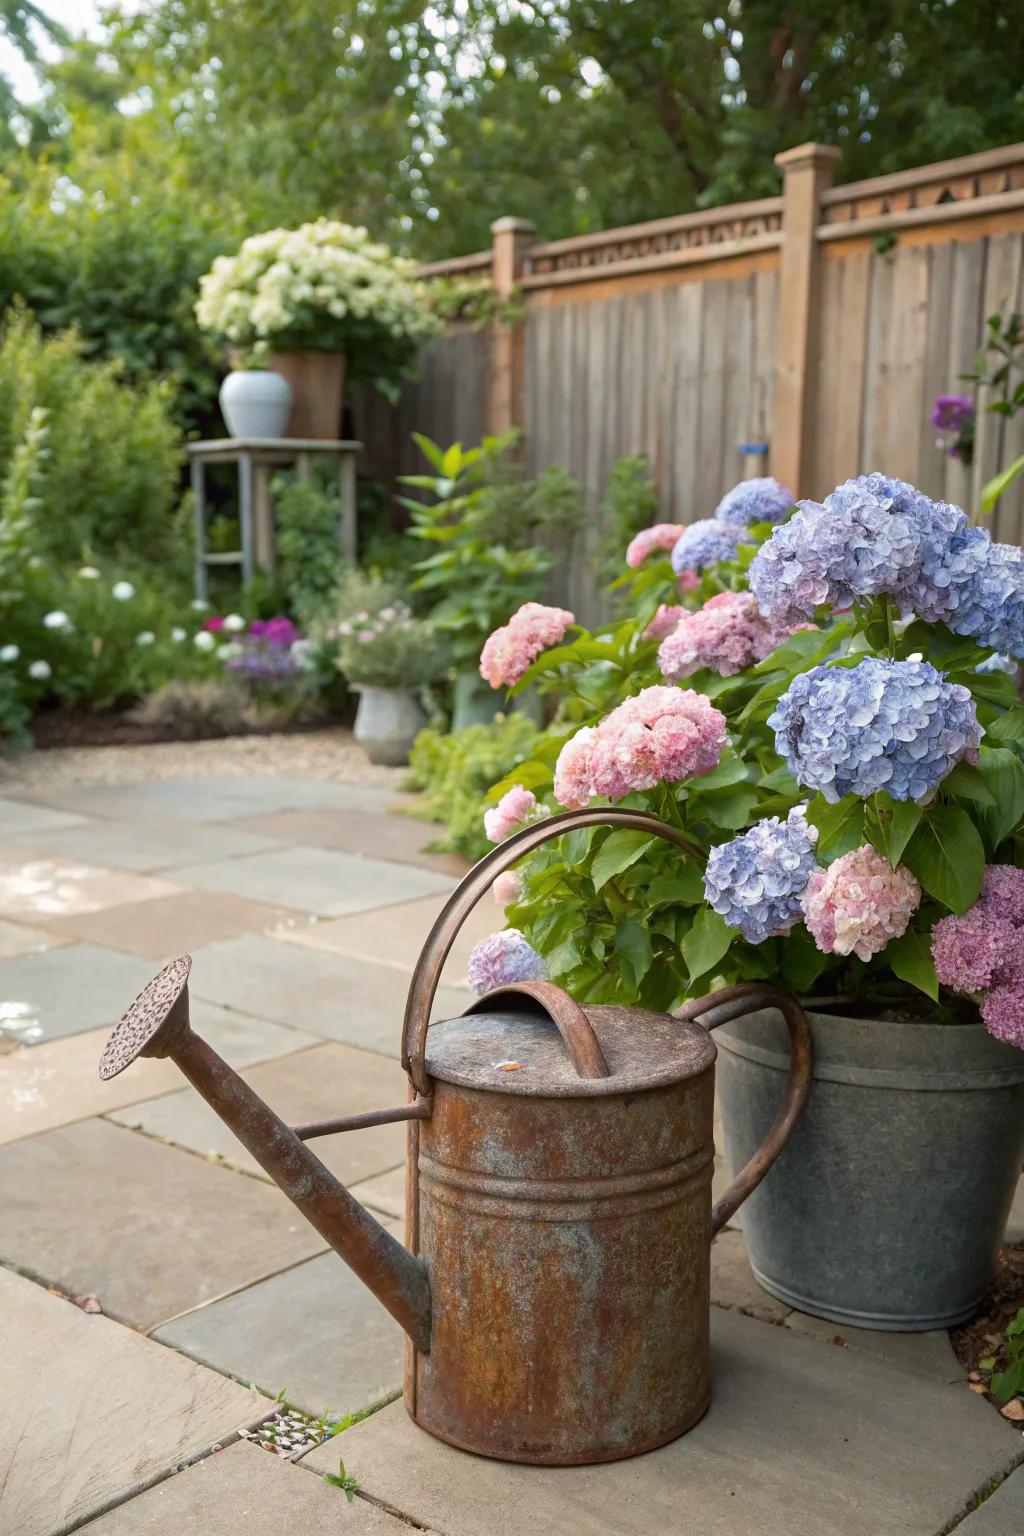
(762, 500)
(892, 725)
(990, 607)
(849, 547)
(704, 543)
(755, 881)
(501, 959)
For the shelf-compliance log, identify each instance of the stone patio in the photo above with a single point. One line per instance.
(304, 903)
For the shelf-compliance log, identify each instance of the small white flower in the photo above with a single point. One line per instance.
(204, 641)
(57, 620)
(198, 605)
(228, 650)
(178, 634)
(234, 623)
(343, 629)
(123, 591)
(89, 573)
(302, 654)
(9, 652)
(145, 637)
(40, 670)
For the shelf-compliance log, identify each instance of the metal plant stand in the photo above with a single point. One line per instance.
(257, 458)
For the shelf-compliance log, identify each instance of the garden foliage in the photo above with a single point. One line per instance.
(456, 771)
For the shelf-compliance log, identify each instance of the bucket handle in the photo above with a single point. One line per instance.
(472, 886)
(732, 1003)
(565, 1014)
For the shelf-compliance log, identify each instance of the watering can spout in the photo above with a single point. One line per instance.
(157, 1024)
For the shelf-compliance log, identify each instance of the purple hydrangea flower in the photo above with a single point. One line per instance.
(503, 958)
(892, 725)
(755, 881)
(762, 500)
(704, 543)
(989, 604)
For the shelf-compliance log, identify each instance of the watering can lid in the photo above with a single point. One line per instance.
(532, 1039)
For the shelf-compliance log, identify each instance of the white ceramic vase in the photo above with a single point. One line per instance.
(255, 402)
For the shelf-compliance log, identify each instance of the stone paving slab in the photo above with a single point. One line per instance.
(1001, 1514)
(385, 1192)
(374, 834)
(244, 1490)
(18, 817)
(67, 991)
(171, 925)
(930, 1353)
(340, 996)
(92, 1412)
(149, 1230)
(395, 935)
(44, 1086)
(317, 1084)
(32, 888)
(314, 1333)
(213, 797)
(19, 939)
(314, 880)
(159, 843)
(800, 1440)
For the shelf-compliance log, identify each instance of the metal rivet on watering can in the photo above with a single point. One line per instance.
(555, 1282)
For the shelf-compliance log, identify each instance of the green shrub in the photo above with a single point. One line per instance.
(630, 503)
(455, 772)
(309, 562)
(192, 710)
(108, 479)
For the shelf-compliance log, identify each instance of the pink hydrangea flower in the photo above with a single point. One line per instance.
(1002, 893)
(688, 581)
(659, 736)
(513, 648)
(661, 536)
(503, 958)
(726, 635)
(507, 887)
(514, 807)
(983, 951)
(859, 903)
(1003, 1013)
(664, 621)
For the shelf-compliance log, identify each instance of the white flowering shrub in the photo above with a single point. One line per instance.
(325, 286)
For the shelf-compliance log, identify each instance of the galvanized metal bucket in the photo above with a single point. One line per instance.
(888, 1206)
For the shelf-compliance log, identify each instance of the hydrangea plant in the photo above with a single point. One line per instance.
(831, 715)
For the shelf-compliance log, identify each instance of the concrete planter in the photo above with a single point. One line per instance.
(317, 382)
(475, 702)
(388, 721)
(886, 1208)
(255, 402)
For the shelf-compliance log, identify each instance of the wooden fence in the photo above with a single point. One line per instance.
(821, 323)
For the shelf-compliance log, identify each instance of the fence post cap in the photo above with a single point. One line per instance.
(808, 154)
(510, 225)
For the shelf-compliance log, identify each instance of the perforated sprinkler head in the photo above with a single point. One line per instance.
(155, 1024)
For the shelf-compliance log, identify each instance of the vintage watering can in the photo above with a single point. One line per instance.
(554, 1286)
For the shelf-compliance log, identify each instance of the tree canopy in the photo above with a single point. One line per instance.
(426, 123)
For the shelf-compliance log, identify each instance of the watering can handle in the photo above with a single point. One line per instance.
(468, 892)
(731, 1003)
(565, 1014)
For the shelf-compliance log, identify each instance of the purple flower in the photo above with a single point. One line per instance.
(503, 958)
(258, 627)
(950, 413)
(892, 725)
(280, 631)
(704, 543)
(755, 881)
(762, 500)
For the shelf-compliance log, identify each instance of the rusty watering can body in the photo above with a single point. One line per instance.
(554, 1285)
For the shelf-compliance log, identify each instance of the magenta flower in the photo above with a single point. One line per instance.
(950, 412)
(859, 903)
(513, 648)
(659, 736)
(982, 951)
(214, 623)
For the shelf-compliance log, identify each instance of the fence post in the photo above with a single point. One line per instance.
(807, 172)
(511, 239)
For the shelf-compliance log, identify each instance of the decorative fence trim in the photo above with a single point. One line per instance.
(719, 250)
(479, 261)
(679, 232)
(908, 218)
(994, 170)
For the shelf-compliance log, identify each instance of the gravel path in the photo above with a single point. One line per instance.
(323, 754)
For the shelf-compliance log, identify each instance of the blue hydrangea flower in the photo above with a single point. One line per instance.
(892, 725)
(762, 500)
(990, 606)
(704, 543)
(846, 549)
(755, 881)
(997, 662)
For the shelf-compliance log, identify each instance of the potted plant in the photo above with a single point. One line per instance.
(308, 303)
(835, 729)
(387, 658)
